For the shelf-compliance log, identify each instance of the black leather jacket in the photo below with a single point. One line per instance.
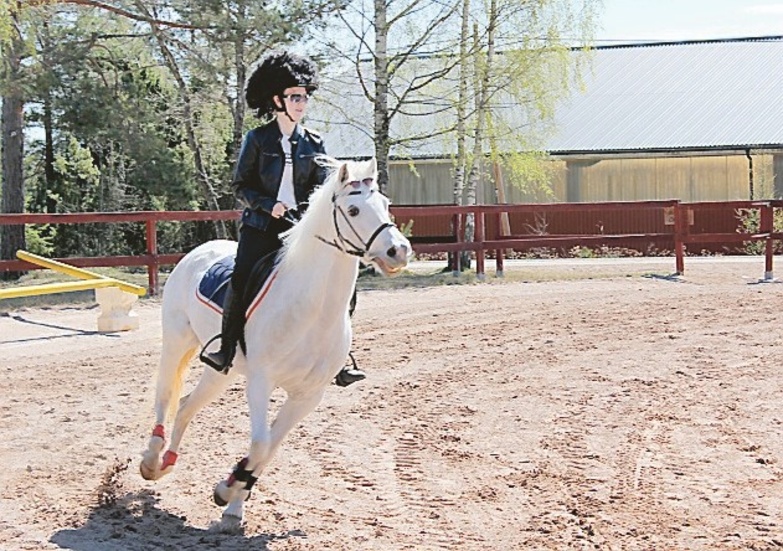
(260, 166)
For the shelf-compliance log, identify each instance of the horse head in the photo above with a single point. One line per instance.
(362, 225)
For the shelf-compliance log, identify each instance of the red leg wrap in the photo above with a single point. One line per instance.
(158, 431)
(169, 459)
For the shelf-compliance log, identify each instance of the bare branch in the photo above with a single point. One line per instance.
(116, 10)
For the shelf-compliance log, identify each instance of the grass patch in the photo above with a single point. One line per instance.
(438, 275)
(415, 279)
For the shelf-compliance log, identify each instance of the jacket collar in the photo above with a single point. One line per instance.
(296, 135)
(271, 133)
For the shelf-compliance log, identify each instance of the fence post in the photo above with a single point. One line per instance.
(459, 236)
(479, 238)
(152, 254)
(766, 227)
(498, 252)
(680, 227)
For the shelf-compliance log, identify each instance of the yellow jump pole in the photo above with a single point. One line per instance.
(50, 288)
(79, 273)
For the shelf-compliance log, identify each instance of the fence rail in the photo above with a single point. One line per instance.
(662, 225)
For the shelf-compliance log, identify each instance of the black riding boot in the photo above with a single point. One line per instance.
(230, 333)
(350, 373)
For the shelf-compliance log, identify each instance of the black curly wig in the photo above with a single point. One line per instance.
(274, 73)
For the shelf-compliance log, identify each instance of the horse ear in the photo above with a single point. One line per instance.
(343, 175)
(374, 165)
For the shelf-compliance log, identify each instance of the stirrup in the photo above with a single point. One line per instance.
(350, 375)
(204, 356)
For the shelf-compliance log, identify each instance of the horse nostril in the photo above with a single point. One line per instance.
(391, 251)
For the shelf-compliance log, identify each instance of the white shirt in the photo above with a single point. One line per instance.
(286, 193)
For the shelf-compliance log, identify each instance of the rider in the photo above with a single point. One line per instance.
(275, 173)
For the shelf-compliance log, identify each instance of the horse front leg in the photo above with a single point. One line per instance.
(265, 442)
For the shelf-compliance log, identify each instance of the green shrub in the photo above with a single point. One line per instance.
(750, 222)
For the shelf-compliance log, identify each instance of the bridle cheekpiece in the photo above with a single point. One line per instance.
(345, 244)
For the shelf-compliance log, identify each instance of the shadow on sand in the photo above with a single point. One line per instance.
(133, 522)
(71, 331)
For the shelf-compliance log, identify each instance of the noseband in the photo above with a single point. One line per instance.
(343, 243)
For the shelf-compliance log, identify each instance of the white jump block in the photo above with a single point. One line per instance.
(116, 314)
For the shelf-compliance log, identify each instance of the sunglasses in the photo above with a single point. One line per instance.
(297, 98)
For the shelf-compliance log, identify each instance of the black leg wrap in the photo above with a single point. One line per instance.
(241, 474)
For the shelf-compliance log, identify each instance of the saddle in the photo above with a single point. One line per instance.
(214, 283)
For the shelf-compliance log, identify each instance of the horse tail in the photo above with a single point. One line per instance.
(179, 378)
(171, 377)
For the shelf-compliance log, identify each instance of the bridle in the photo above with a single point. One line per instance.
(345, 244)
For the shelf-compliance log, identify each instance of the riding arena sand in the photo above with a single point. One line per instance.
(607, 407)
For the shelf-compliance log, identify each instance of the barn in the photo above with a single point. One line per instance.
(692, 120)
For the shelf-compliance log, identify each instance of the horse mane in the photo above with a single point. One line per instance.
(298, 242)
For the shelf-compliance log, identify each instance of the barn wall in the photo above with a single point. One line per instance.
(777, 176)
(698, 178)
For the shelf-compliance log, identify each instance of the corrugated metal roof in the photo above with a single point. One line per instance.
(723, 94)
(677, 96)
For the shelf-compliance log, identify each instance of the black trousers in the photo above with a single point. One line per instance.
(253, 245)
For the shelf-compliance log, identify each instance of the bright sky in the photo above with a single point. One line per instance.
(663, 20)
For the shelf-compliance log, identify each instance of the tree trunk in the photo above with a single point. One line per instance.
(195, 147)
(45, 197)
(481, 84)
(50, 177)
(381, 107)
(238, 110)
(462, 106)
(13, 156)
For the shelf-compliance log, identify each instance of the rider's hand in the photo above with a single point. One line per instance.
(278, 210)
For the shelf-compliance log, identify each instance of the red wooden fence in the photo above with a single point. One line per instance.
(645, 225)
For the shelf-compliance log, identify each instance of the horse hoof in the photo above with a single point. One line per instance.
(146, 472)
(229, 524)
(150, 459)
(150, 467)
(219, 501)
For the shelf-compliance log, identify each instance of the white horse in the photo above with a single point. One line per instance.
(298, 331)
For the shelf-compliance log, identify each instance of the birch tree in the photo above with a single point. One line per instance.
(516, 90)
(387, 42)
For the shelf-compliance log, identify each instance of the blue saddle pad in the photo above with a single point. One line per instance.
(214, 283)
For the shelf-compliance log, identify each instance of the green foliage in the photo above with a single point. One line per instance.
(750, 222)
(534, 73)
(116, 136)
(531, 172)
(6, 23)
(407, 229)
(582, 252)
(138, 116)
(39, 239)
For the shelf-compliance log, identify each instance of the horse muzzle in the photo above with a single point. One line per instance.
(395, 257)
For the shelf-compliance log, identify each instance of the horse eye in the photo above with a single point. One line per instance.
(353, 210)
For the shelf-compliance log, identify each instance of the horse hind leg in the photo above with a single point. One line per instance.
(209, 387)
(174, 360)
